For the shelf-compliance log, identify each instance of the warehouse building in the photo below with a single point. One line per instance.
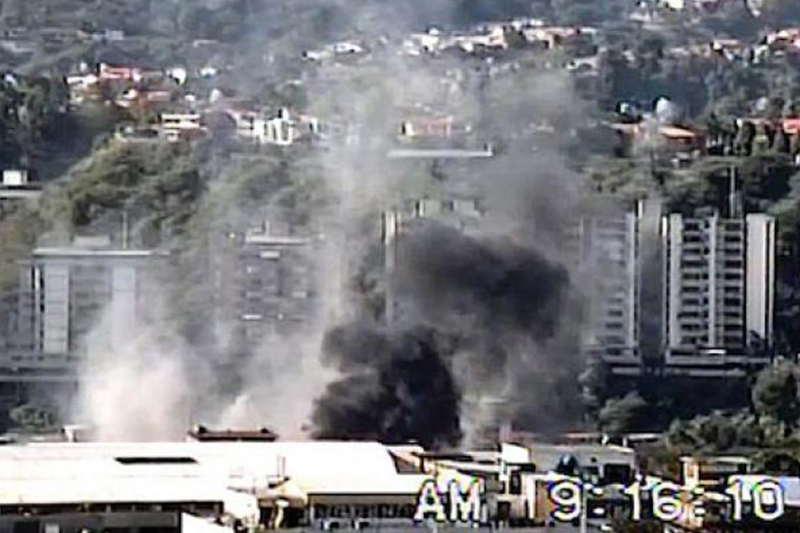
(246, 485)
(66, 487)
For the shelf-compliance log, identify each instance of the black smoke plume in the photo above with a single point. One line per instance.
(397, 386)
(494, 283)
(489, 300)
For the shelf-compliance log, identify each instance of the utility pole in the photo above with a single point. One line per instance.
(584, 524)
(125, 230)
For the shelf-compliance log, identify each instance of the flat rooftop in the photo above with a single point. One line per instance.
(439, 153)
(74, 252)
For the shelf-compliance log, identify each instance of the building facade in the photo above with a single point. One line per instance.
(720, 284)
(463, 214)
(608, 259)
(618, 266)
(677, 290)
(265, 284)
(65, 291)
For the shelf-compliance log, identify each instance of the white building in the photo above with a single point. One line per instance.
(177, 126)
(675, 5)
(283, 129)
(17, 186)
(64, 291)
(618, 269)
(720, 284)
(690, 288)
(609, 261)
(276, 484)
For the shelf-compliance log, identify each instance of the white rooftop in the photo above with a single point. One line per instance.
(48, 473)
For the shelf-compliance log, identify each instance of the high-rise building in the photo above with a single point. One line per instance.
(265, 283)
(618, 270)
(461, 213)
(660, 289)
(674, 289)
(720, 277)
(608, 264)
(65, 291)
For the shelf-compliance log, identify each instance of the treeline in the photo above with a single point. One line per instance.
(29, 109)
(772, 421)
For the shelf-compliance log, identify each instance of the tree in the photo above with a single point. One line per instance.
(775, 393)
(746, 138)
(622, 414)
(781, 142)
(719, 432)
(593, 382)
(33, 417)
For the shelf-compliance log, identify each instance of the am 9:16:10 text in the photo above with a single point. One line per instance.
(669, 502)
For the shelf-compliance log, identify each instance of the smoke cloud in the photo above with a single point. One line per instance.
(496, 285)
(396, 385)
(479, 304)
(485, 321)
(135, 381)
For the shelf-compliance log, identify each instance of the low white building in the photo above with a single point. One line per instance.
(177, 126)
(273, 483)
(16, 185)
(283, 129)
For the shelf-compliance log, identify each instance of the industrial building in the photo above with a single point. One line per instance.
(250, 483)
(68, 487)
(274, 484)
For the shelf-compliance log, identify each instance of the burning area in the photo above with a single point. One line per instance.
(480, 304)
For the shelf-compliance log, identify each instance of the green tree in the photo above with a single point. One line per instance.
(593, 383)
(794, 145)
(775, 393)
(34, 417)
(719, 432)
(622, 414)
(781, 144)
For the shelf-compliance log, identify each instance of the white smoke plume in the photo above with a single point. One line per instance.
(135, 383)
(153, 384)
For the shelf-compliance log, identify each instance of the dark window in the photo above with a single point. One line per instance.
(26, 527)
(617, 473)
(404, 466)
(155, 460)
